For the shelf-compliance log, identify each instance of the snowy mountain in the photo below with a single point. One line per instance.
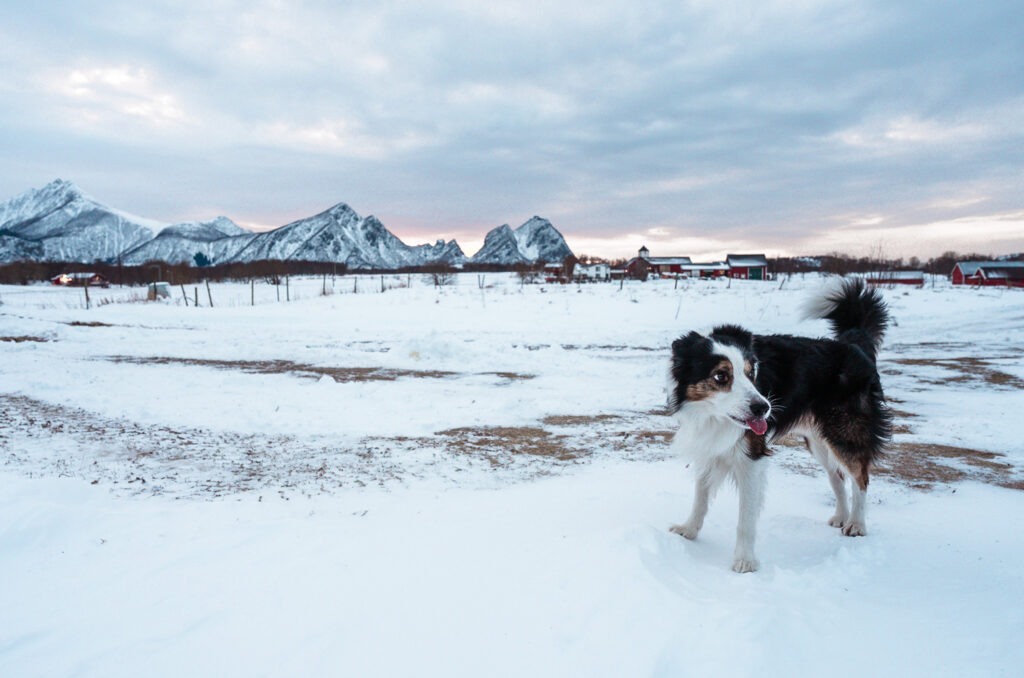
(535, 240)
(219, 240)
(500, 247)
(59, 222)
(341, 235)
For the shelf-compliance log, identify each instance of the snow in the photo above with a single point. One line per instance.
(319, 523)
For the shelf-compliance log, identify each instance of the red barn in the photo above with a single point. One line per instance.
(1004, 273)
(747, 266)
(655, 265)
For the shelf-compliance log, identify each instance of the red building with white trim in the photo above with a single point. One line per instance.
(747, 266)
(989, 273)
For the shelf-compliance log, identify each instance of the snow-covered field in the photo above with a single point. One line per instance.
(477, 481)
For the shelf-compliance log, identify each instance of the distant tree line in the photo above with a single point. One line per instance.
(842, 264)
(25, 272)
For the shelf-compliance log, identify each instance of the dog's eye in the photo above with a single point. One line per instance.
(720, 377)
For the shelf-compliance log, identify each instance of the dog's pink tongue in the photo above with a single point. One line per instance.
(758, 426)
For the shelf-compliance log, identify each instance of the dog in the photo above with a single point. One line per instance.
(734, 393)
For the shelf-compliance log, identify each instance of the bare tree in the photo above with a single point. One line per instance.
(440, 275)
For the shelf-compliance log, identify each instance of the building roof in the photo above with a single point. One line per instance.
(718, 265)
(971, 267)
(1000, 271)
(746, 260)
(670, 261)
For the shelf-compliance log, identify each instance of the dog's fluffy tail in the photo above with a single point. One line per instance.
(857, 313)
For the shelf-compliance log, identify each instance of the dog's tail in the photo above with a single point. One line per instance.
(857, 313)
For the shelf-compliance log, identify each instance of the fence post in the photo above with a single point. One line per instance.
(252, 291)
(382, 283)
(86, 294)
(209, 295)
(183, 295)
(287, 289)
(196, 300)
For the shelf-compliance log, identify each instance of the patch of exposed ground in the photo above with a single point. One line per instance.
(578, 420)
(40, 438)
(963, 370)
(924, 464)
(339, 374)
(93, 323)
(23, 338)
(591, 347)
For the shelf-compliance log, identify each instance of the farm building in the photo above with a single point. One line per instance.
(593, 272)
(715, 269)
(747, 266)
(81, 280)
(644, 262)
(894, 278)
(1004, 273)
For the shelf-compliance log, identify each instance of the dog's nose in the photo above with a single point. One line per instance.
(759, 407)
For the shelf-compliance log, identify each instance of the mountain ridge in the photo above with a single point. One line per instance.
(60, 222)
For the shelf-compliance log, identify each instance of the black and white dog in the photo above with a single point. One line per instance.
(734, 393)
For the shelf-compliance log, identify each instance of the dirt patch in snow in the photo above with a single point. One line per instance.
(41, 438)
(965, 370)
(338, 374)
(492, 442)
(577, 419)
(94, 323)
(23, 338)
(924, 464)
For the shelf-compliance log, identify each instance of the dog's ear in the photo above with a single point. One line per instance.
(682, 344)
(735, 335)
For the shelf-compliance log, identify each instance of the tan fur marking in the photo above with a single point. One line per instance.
(706, 388)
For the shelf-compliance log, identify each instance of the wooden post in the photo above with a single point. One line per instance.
(323, 292)
(677, 282)
(382, 283)
(252, 291)
(622, 281)
(278, 288)
(287, 290)
(86, 288)
(183, 295)
(209, 295)
(196, 300)
(355, 284)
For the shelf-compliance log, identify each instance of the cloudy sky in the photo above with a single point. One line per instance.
(694, 127)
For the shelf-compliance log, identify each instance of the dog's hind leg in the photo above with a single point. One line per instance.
(750, 480)
(819, 448)
(708, 481)
(855, 525)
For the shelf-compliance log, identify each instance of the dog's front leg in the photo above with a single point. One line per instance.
(750, 479)
(707, 482)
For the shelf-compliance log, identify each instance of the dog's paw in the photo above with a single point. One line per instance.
(837, 520)
(852, 528)
(742, 565)
(685, 530)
